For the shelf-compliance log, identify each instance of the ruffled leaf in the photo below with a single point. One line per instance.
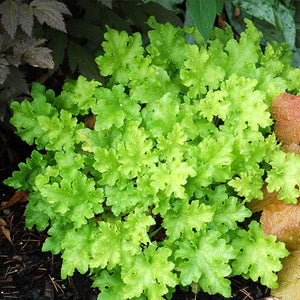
(259, 256)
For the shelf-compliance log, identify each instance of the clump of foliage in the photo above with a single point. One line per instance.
(143, 181)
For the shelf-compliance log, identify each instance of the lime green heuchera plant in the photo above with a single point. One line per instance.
(153, 195)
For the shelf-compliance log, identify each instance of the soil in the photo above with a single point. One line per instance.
(28, 273)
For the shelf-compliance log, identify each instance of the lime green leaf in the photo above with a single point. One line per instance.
(204, 259)
(79, 188)
(117, 239)
(121, 51)
(56, 236)
(184, 218)
(152, 86)
(212, 158)
(37, 212)
(25, 177)
(107, 163)
(112, 108)
(27, 113)
(76, 253)
(258, 256)
(107, 249)
(78, 95)
(214, 104)
(171, 177)
(123, 200)
(174, 145)
(229, 210)
(248, 184)
(284, 176)
(149, 273)
(59, 131)
(243, 55)
(168, 47)
(200, 73)
(110, 284)
(247, 104)
(135, 153)
(161, 116)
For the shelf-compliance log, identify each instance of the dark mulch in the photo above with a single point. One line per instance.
(28, 273)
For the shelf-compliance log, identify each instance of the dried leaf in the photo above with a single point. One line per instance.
(4, 69)
(4, 230)
(289, 278)
(51, 13)
(2, 222)
(90, 121)
(17, 197)
(26, 18)
(9, 11)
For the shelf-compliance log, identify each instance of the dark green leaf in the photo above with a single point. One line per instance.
(219, 6)
(296, 58)
(203, 13)
(286, 18)
(161, 14)
(112, 19)
(83, 29)
(261, 9)
(287, 3)
(82, 58)
(297, 14)
(270, 33)
(16, 82)
(169, 4)
(58, 45)
(9, 12)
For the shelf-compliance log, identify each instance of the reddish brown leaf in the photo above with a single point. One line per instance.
(90, 121)
(4, 230)
(283, 220)
(17, 197)
(257, 205)
(291, 148)
(285, 109)
(2, 222)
